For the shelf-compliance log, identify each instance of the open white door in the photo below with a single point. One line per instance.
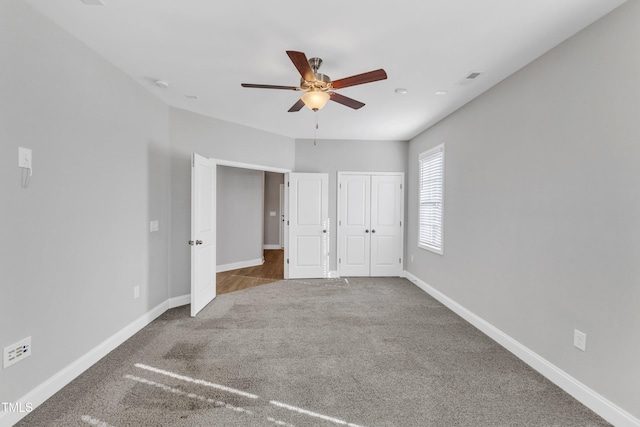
(203, 232)
(307, 251)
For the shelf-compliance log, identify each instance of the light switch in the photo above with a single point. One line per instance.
(24, 157)
(154, 226)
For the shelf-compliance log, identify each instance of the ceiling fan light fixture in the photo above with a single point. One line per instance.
(315, 99)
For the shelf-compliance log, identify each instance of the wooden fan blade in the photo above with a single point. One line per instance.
(344, 100)
(297, 106)
(371, 76)
(299, 59)
(269, 86)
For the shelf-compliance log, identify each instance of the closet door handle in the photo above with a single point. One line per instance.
(366, 231)
(324, 231)
(373, 231)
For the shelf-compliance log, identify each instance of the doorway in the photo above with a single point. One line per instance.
(203, 207)
(273, 210)
(305, 235)
(248, 216)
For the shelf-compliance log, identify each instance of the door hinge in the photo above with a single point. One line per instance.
(340, 222)
(401, 186)
(400, 260)
(288, 184)
(287, 222)
(340, 186)
(339, 260)
(287, 260)
(400, 223)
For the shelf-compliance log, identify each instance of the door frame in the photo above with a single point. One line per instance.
(229, 163)
(340, 174)
(281, 216)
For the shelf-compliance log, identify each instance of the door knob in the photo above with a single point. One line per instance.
(191, 242)
(373, 231)
(324, 231)
(198, 242)
(366, 231)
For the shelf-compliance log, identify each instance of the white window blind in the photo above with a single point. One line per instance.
(431, 165)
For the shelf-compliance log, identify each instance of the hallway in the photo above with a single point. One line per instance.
(270, 271)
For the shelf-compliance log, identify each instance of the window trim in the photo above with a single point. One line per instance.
(424, 245)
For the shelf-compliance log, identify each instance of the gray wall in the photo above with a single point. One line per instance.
(332, 156)
(272, 182)
(75, 242)
(542, 206)
(239, 221)
(190, 132)
(541, 215)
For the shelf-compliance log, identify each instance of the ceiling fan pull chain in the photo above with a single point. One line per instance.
(315, 135)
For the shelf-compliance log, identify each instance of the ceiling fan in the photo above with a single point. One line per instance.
(318, 87)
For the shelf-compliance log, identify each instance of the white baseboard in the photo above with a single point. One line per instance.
(179, 301)
(588, 397)
(271, 247)
(333, 274)
(241, 264)
(54, 384)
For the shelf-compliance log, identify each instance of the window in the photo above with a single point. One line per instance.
(431, 170)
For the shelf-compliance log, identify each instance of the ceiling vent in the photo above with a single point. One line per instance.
(470, 78)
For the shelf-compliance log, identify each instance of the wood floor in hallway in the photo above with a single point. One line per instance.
(271, 271)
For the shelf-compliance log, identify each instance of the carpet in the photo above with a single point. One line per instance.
(326, 352)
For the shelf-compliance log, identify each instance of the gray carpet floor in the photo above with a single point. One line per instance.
(334, 352)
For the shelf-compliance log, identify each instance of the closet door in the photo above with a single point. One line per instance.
(370, 232)
(386, 225)
(354, 219)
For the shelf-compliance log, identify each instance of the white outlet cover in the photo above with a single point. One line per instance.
(154, 226)
(136, 291)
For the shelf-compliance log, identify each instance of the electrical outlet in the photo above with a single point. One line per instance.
(16, 352)
(136, 291)
(580, 340)
(154, 226)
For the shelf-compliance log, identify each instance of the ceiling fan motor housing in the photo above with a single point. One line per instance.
(322, 83)
(315, 64)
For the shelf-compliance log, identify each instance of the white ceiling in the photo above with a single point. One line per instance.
(208, 47)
